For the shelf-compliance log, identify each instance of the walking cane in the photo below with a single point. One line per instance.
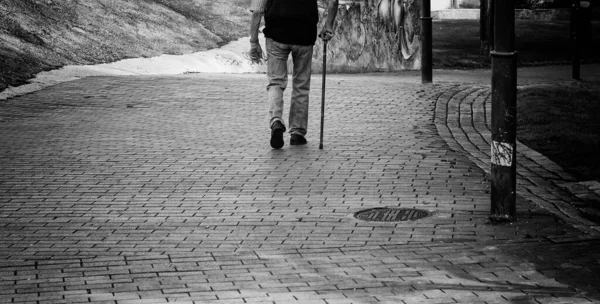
(323, 91)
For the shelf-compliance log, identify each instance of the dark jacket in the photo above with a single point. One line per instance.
(292, 21)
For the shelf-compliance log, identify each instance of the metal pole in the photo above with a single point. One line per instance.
(323, 91)
(575, 37)
(504, 113)
(490, 23)
(426, 43)
(484, 28)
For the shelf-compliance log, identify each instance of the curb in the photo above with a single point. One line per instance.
(461, 118)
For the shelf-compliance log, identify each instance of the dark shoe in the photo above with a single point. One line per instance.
(297, 139)
(277, 130)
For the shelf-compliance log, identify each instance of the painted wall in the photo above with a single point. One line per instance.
(373, 35)
(437, 5)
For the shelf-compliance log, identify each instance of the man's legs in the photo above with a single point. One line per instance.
(302, 58)
(277, 54)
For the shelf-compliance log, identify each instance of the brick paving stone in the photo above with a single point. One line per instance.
(155, 189)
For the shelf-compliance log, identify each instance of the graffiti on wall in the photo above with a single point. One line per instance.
(399, 17)
(373, 35)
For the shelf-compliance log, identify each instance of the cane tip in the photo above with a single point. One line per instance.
(321, 146)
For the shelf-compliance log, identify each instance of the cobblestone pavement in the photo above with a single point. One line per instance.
(164, 189)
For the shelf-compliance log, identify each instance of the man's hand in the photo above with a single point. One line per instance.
(256, 53)
(326, 33)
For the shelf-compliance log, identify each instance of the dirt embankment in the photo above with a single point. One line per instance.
(37, 35)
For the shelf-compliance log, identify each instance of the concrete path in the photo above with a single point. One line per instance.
(158, 189)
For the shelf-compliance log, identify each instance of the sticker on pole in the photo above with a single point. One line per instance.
(502, 154)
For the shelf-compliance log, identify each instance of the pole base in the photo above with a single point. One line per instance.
(321, 146)
(501, 219)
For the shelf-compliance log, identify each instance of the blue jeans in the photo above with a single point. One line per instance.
(277, 72)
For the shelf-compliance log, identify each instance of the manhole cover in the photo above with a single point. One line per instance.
(390, 214)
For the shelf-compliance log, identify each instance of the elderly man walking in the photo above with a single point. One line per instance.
(290, 28)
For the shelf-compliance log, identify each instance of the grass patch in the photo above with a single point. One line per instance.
(38, 35)
(221, 17)
(456, 44)
(561, 122)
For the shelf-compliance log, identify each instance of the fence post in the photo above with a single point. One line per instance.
(426, 43)
(575, 38)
